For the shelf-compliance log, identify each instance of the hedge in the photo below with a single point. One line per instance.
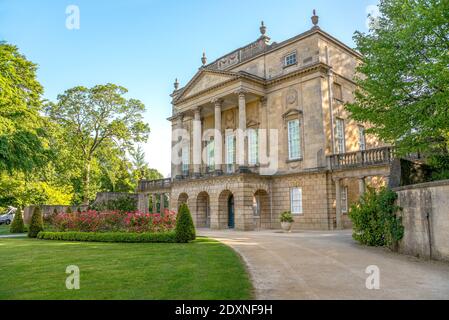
(162, 237)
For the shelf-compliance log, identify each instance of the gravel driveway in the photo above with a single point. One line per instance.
(330, 265)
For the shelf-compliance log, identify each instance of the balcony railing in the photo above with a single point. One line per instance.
(362, 158)
(154, 184)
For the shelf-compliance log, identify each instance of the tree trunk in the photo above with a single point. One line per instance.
(86, 183)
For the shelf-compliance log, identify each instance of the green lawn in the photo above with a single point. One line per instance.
(204, 269)
(4, 229)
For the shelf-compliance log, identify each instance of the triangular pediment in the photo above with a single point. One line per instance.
(204, 80)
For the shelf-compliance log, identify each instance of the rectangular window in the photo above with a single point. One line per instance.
(338, 94)
(290, 59)
(185, 154)
(362, 141)
(294, 142)
(253, 147)
(230, 152)
(344, 200)
(210, 156)
(340, 136)
(296, 200)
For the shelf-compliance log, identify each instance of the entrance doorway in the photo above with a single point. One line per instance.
(231, 220)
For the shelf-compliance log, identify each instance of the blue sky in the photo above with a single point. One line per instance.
(145, 44)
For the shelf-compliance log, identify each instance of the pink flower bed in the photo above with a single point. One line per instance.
(94, 221)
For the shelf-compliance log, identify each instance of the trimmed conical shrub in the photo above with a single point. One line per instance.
(185, 230)
(37, 223)
(17, 225)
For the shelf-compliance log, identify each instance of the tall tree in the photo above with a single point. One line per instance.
(141, 169)
(22, 139)
(94, 116)
(404, 76)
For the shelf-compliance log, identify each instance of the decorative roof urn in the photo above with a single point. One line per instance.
(315, 19)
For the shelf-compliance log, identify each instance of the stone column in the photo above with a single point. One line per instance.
(242, 150)
(197, 141)
(362, 186)
(142, 202)
(387, 181)
(177, 166)
(162, 198)
(153, 201)
(218, 138)
(338, 203)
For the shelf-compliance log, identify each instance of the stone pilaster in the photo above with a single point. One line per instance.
(338, 203)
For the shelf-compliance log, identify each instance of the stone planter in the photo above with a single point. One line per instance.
(287, 226)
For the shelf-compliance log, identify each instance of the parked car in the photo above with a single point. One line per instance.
(8, 216)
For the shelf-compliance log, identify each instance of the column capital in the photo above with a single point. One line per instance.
(264, 101)
(197, 112)
(241, 93)
(217, 102)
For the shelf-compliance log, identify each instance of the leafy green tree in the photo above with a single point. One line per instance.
(184, 230)
(21, 190)
(141, 169)
(404, 76)
(36, 224)
(22, 145)
(17, 225)
(92, 116)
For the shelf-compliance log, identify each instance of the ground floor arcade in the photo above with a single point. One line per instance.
(319, 200)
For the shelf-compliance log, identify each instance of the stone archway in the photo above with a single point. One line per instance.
(261, 210)
(225, 199)
(182, 199)
(203, 210)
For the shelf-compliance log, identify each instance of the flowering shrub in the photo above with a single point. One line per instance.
(114, 221)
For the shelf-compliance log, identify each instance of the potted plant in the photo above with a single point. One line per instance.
(286, 221)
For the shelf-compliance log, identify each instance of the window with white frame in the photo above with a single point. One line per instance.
(290, 59)
(344, 200)
(362, 141)
(185, 158)
(294, 140)
(296, 201)
(210, 155)
(230, 152)
(253, 147)
(340, 136)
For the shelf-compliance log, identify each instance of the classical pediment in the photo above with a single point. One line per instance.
(204, 80)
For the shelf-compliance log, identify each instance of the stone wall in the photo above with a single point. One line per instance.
(47, 210)
(426, 219)
(103, 197)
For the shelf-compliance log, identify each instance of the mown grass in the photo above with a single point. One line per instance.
(4, 229)
(203, 269)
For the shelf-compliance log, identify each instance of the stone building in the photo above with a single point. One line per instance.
(287, 98)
